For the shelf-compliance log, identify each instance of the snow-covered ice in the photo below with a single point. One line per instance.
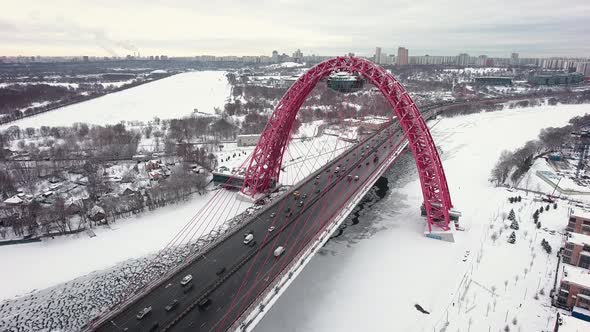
(171, 97)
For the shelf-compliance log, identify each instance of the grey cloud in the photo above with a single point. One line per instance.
(537, 27)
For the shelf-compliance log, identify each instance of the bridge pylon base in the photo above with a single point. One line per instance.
(247, 198)
(439, 234)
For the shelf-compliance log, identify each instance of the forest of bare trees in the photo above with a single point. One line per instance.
(514, 164)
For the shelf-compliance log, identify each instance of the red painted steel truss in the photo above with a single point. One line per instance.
(265, 164)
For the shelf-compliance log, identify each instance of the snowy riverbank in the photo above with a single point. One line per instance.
(171, 97)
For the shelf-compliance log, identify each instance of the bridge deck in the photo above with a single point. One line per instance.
(250, 270)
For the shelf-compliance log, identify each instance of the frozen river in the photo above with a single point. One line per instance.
(370, 277)
(171, 97)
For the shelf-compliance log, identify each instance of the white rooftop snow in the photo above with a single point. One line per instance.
(581, 213)
(576, 275)
(579, 239)
(13, 200)
(573, 324)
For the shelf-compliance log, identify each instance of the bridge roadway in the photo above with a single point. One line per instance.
(237, 257)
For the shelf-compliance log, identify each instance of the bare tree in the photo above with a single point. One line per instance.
(62, 220)
(7, 187)
(502, 168)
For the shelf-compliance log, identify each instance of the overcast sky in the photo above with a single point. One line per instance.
(255, 27)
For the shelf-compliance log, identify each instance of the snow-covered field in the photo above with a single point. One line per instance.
(171, 97)
(362, 285)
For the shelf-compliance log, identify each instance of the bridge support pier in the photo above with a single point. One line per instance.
(439, 234)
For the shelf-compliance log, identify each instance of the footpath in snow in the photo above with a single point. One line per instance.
(362, 285)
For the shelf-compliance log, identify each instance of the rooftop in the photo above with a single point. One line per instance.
(493, 77)
(579, 239)
(576, 275)
(572, 324)
(581, 214)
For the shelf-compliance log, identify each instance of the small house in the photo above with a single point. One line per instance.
(96, 213)
(14, 200)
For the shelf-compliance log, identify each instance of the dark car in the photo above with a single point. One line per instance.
(154, 326)
(188, 288)
(220, 271)
(172, 305)
(204, 303)
(317, 191)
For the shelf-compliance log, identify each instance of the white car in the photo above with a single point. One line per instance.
(186, 279)
(144, 312)
(279, 251)
(248, 238)
(271, 228)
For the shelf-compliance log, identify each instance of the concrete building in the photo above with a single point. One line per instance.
(514, 59)
(402, 56)
(584, 68)
(556, 78)
(493, 80)
(463, 59)
(275, 56)
(577, 250)
(579, 222)
(248, 140)
(377, 55)
(574, 289)
(432, 60)
(298, 56)
(482, 60)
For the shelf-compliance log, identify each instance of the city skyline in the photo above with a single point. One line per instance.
(184, 28)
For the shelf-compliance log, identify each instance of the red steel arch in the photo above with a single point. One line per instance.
(265, 164)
